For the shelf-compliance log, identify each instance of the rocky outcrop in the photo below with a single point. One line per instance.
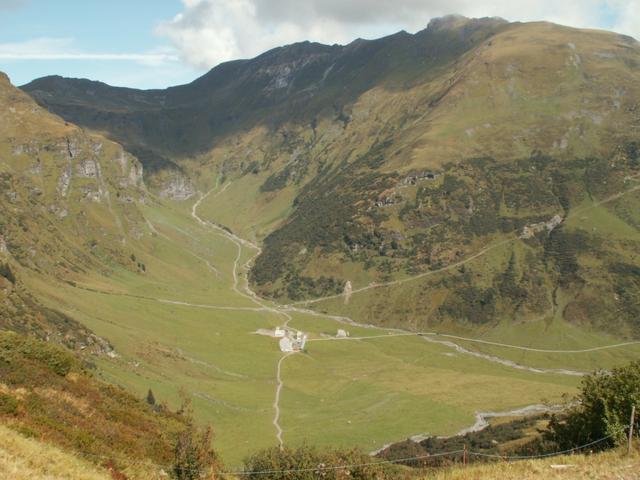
(530, 231)
(178, 187)
(64, 182)
(88, 169)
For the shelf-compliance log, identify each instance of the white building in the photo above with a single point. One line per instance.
(342, 333)
(279, 332)
(286, 345)
(291, 342)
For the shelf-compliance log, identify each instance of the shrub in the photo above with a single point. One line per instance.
(307, 463)
(8, 405)
(6, 272)
(193, 454)
(603, 409)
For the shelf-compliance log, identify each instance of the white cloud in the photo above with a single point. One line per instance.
(208, 32)
(64, 49)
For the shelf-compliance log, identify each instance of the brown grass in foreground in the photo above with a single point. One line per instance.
(612, 465)
(28, 459)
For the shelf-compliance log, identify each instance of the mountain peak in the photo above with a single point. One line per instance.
(455, 21)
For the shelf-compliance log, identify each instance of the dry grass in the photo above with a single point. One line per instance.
(27, 459)
(609, 465)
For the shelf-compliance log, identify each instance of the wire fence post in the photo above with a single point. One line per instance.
(464, 455)
(631, 423)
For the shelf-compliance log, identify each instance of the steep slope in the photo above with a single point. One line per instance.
(47, 393)
(299, 84)
(494, 164)
(28, 459)
(67, 205)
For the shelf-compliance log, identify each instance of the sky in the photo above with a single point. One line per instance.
(159, 43)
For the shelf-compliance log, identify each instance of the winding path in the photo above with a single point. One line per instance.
(276, 401)
(251, 295)
(413, 278)
(460, 263)
(283, 311)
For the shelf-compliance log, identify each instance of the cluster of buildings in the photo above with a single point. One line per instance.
(290, 341)
(295, 340)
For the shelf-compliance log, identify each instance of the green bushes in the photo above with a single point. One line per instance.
(562, 248)
(473, 304)
(308, 463)
(299, 286)
(603, 410)
(193, 454)
(49, 393)
(6, 272)
(15, 348)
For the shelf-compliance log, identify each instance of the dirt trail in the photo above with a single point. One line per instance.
(411, 279)
(481, 253)
(276, 401)
(284, 309)
(250, 294)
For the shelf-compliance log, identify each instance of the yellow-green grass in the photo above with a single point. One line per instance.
(600, 219)
(615, 464)
(28, 459)
(371, 392)
(240, 205)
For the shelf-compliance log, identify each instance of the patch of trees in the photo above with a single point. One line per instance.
(626, 285)
(562, 248)
(299, 286)
(276, 181)
(509, 285)
(632, 152)
(6, 272)
(326, 213)
(596, 176)
(470, 303)
(490, 440)
(601, 413)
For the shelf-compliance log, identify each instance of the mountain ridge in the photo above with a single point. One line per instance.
(387, 158)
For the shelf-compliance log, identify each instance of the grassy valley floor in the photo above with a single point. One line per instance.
(189, 322)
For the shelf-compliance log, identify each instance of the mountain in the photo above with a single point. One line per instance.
(398, 158)
(300, 84)
(68, 205)
(475, 184)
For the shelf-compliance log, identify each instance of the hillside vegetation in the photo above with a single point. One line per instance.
(28, 459)
(605, 466)
(467, 135)
(466, 207)
(47, 393)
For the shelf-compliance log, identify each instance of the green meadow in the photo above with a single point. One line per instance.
(364, 392)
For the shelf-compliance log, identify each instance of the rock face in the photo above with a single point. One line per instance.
(88, 169)
(529, 231)
(64, 182)
(178, 187)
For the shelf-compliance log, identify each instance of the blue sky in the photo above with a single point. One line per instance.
(92, 27)
(158, 43)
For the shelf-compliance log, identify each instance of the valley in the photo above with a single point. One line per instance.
(451, 217)
(377, 386)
